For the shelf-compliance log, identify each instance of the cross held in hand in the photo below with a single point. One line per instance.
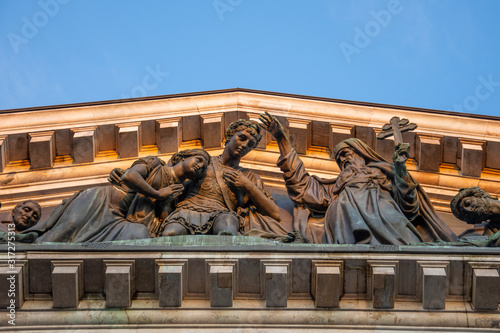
(396, 127)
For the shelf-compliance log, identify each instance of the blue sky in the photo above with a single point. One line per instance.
(422, 53)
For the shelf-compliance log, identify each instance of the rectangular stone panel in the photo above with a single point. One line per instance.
(472, 157)
(433, 283)
(11, 287)
(492, 155)
(340, 132)
(67, 283)
(249, 278)
(221, 285)
(327, 283)
(120, 283)
(18, 147)
(407, 278)
(64, 142)
(191, 128)
(485, 288)
(211, 130)
(429, 152)
(170, 285)
(383, 286)
(4, 155)
(94, 270)
(276, 285)
(299, 134)
(320, 134)
(84, 145)
(106, 137)
(168, 135)
(148, 132)
(128, 139)
(42, 150)
(301, 278)
(40, 277)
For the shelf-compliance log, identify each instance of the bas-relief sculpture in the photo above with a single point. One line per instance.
(475, 206)
(115, 212)
(191, 194)
(25, 215)
(372, 201)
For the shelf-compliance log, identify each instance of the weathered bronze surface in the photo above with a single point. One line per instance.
(371, 202)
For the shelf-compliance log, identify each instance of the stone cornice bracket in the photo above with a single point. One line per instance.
(84, 144)
(4, 154)
(340, 132)
(471, 157)
(128, 139)
(299, 133)
(42, 149)
(168, 135)
(212, 130)
(429, 152)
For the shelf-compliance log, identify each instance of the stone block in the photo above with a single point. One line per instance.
(485, 288)
(128, 139)
(168, 135)
(67, 283)
(84, 144)
(276, 285)
(170, 285)
(212, 131)
(327, 284)
(429, 152)
(4, 154)
(434, 287)
(300, 134)
(383, 286)
(340, 132)
(11, 286)
(42, 149)
(472, 157)
(221, 285)
(119, 283)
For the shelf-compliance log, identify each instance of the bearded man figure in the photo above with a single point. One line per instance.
(372, 201)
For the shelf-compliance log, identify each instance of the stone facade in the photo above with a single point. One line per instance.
(48, 153)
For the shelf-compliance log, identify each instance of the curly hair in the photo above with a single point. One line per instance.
(183, 154)
(242, 124)
(456, 207)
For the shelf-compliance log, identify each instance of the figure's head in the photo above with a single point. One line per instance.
(242, 136)
(346, 155)
(194, 162)
(26, 214)
(472, 205)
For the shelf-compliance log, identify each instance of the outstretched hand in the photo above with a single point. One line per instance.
(170, 192)
(272, 125)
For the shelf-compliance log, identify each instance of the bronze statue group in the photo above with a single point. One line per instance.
(372, 201)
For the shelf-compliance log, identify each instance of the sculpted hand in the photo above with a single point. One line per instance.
(400, 156)
(237, 179)
(115, 176)
(170, 192)
(272, 125)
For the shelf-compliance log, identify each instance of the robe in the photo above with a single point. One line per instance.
(368, 206)
(108, 213)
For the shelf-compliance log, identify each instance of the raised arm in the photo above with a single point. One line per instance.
(273, 126)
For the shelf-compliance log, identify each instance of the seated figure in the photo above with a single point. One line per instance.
(372, 201)
(230, 200)
(115, 212)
